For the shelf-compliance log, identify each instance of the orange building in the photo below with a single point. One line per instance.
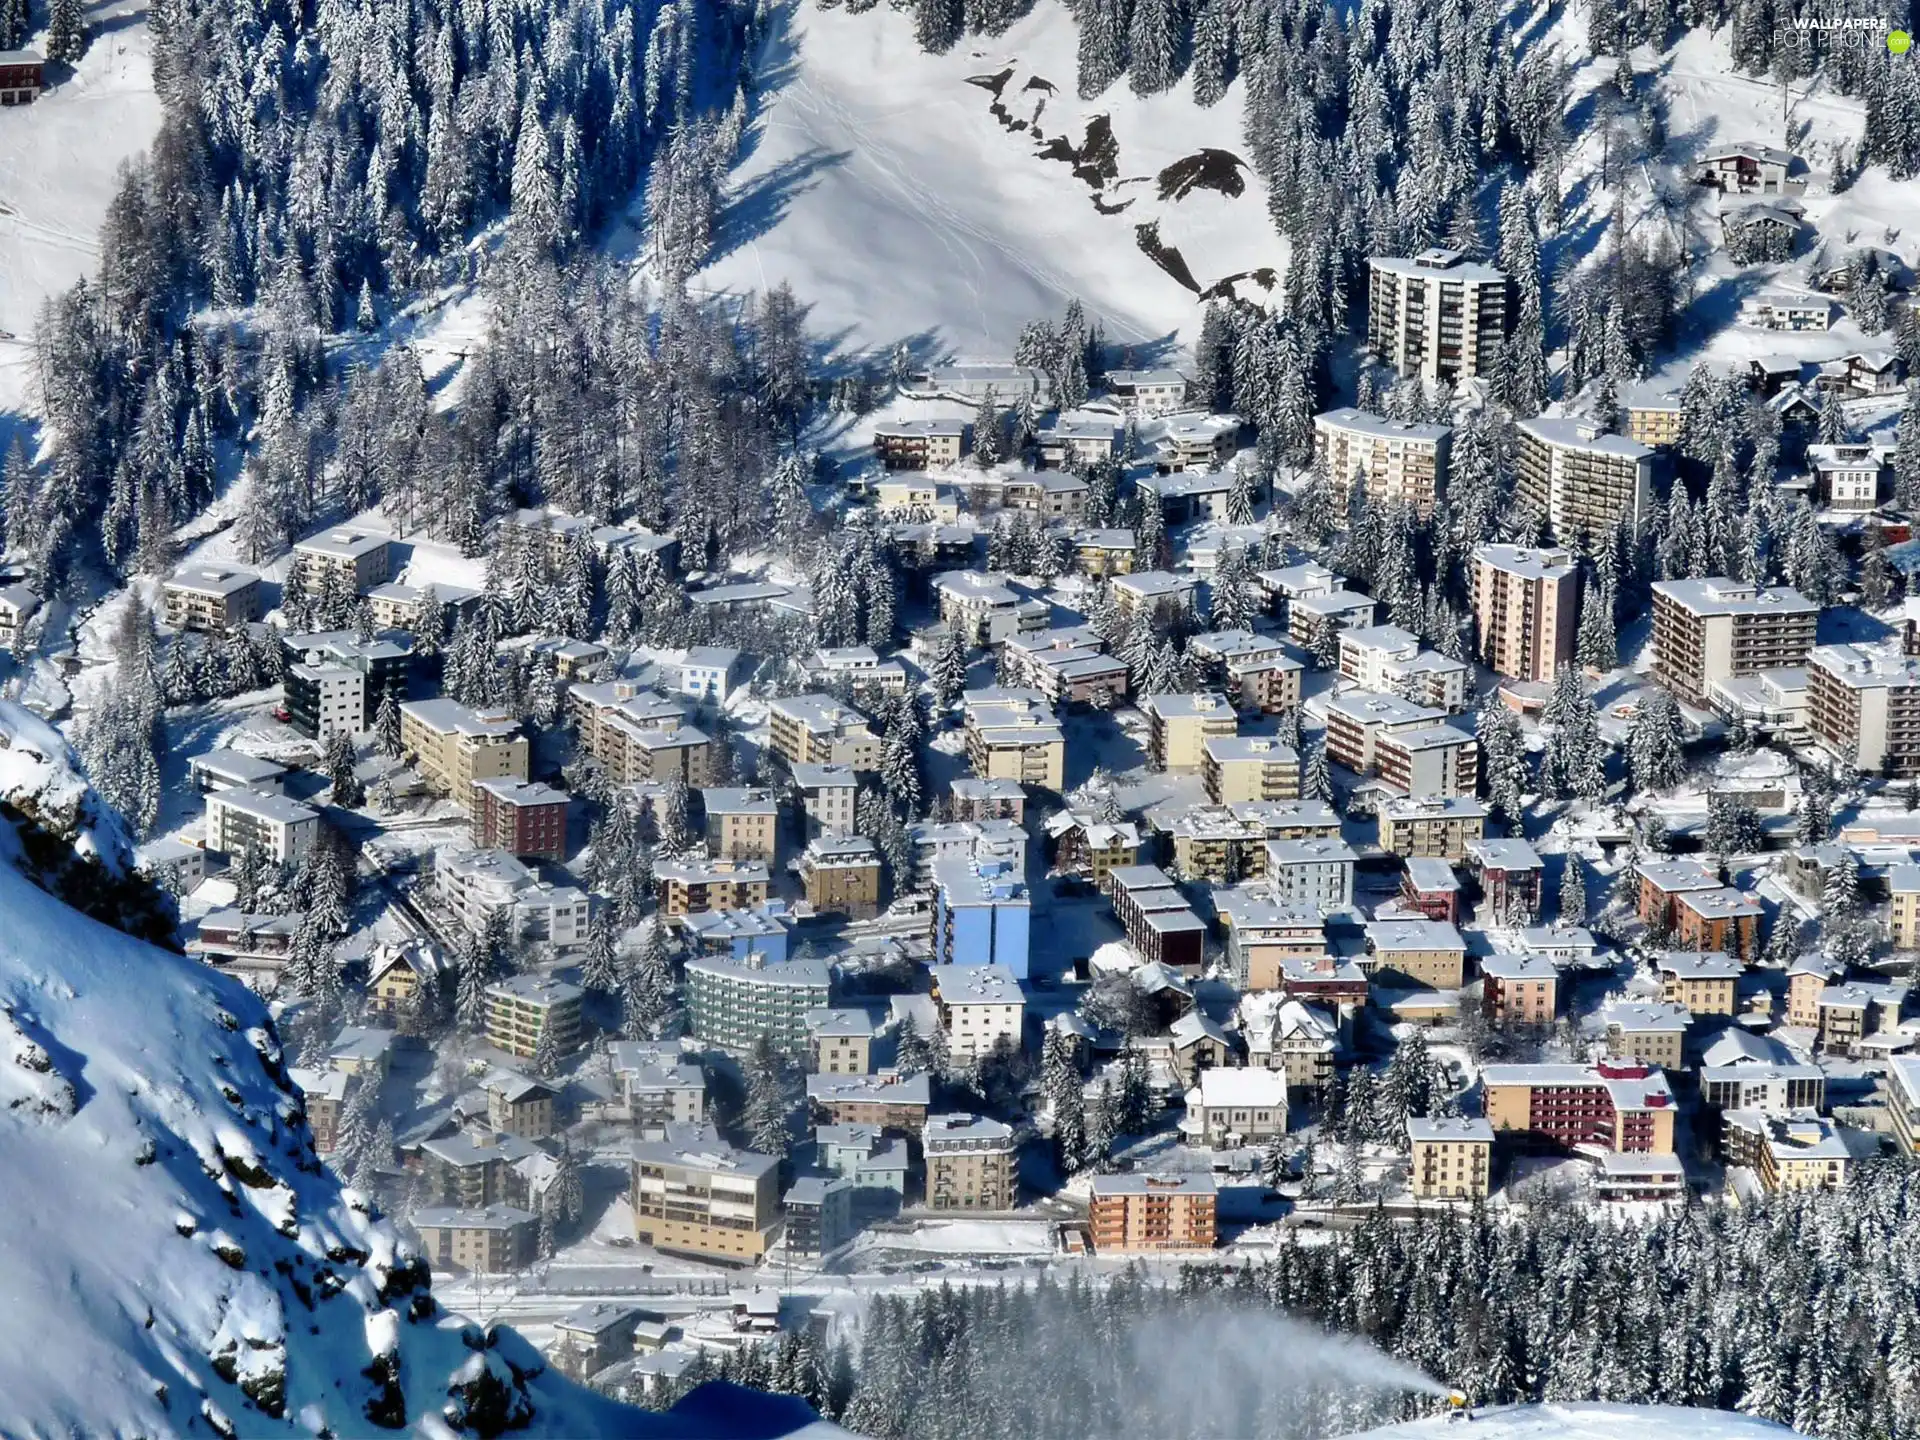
(1138, 1214)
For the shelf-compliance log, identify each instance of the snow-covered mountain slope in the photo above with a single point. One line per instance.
(60, 160)
(1588, 1422)
(885, 187)
(173, 1258)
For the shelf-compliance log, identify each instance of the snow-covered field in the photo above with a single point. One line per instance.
(59, 163)
(1590, 1422)
(884, 189)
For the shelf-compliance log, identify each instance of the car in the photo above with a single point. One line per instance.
(282, 714)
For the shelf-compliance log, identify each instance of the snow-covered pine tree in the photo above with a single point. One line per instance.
(1573, 891)
(341, 759)
(1654, 754)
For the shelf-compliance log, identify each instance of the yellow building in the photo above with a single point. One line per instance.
(522, 1008)
(1012, 735)
(453, 746)
(1430, 953)
(1251, 767)
(694, 1192)
(1704, 982)
(1452, 1159)
(1903, 921)
(1183, 724)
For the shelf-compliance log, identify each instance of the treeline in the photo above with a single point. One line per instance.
(1769, 1309)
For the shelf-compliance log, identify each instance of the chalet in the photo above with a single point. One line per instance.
(1866, 372)
(1746, 170)
(919, 444)
(1761, 231)
(22, 76)
(1149, 392)
(1777, 310)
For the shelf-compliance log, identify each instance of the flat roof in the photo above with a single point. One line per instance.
(1379, 427)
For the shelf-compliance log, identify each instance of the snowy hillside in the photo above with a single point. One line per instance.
(952, 198)
(1589, 1422)
(173, 1249)
(59, 163)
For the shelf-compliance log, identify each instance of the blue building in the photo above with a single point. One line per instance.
(982, 915)
(749, 936)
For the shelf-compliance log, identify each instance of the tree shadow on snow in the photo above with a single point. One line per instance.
(762, 202)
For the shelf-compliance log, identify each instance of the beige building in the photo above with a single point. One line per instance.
(819, 730)
(1357, 720)
(1903, 1101)
(970, 1162)
(357, 558)
(1706, 631)
(1436, 826)
(1250, 767)
(523, 1008)
(1863, 704)
(1435, 315)
(1452, 1158)
(742, 824)
(1903, 917)
(1582, 479)
(980, 1006)
(453, 746)
(839, 1041)
(692, 886)
(1143, 1214)
(1013, 735)
(211, 597)
(1396, 460)
(489, 1241)
(1655, 420)
(1526, 609)
(1654, 1032)
(1801, 1150)
(1704, 982)
(694, 1192)
(1427, 953)
(1236, 1106)
(842, 876)
(1181, 726)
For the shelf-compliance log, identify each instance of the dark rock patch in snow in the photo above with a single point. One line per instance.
(1166, 256)
(1204, 170)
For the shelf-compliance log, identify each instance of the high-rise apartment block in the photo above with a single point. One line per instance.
(1436, 315)
(1526, 604)
(1714, 629)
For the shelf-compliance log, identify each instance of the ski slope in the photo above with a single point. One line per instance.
(1588, 1422)
(60, 159)
(883, 188)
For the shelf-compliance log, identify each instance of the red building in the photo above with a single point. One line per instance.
(1430, 886)
(1617, 1106)
(20, 77)
(1510, 873)
(521, 818)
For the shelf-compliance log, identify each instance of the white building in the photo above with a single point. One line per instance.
(242, 820)
(979, 1005)
(1435, 314)
(1318, 872)
(474, 883)
(1396, 460)
(1237, 1106)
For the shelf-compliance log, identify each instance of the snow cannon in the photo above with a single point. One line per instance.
(1458, 1406)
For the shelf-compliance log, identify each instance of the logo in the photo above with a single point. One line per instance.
(1899, 41)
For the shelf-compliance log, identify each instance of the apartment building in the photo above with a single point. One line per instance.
(1849, 478)
(970, 1162)
(1903, 1101)
(210, 597)
(1511, 875)
(839, 1041)
(1430, 887)
(732, 1002)
(1863, 704)
(524, 1009)
(1066, 666)
(980, 1006)
(1330, 611)
(1318, 872)
(976, 799)
(1296, 1040)
(1211, 843)
(819, 730)
(1356, 721)
(1181, 726)
(1250, 767)
(1157, 919)
(693, 1192)
(656, 1084)
(452, 746)
(1452, 1158)
(1429, 760)
(357, 559)
(842, 876)
(404, 607)
(1144, 1214)
(857, 666)
(1801, 1150)
(240, 820)
(1236, 1105)
(1708, 631)
(1664, 881)
(1654, 417)
(1149, 392)
(827, 797)
(1704, 982)
(741, 823)
(1267, 683)
(982, 914)
(982, 606)
(1387, 658)
(1396, 461)
(1651, 1032)
(472, 884)
(1583, 480)
(1432, 827)
(886, 1100)
(1771, 1088)
(919, 444)
(523, 818)
(1518, 988)
(1435, 314)
(1719, 919)
(1145, 591)
(1620, 1106)
(1430, 954)
(493, 1240)
(691, 886)
(1012, 734)
(1526, 609)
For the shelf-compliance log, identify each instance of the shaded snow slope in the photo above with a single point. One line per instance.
(883, 186)
(60, 161)
(173, 1256)
(1589, 1422)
